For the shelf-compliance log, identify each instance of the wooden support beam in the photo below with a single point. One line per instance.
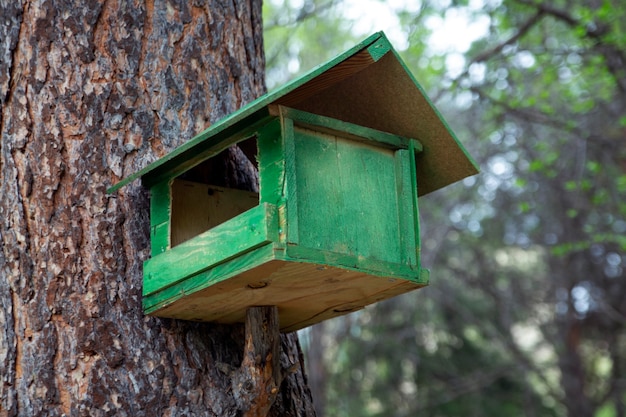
(257, 381)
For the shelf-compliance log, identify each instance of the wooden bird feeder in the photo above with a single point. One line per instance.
(343, 154)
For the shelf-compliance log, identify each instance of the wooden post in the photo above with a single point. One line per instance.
(257, 381)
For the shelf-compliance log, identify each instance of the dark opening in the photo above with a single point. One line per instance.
(212, 193)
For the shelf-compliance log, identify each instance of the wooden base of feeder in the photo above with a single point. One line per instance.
(305, 294)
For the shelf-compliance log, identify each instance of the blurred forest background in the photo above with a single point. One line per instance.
(526, 311)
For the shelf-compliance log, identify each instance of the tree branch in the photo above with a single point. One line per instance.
(615, 57)
(520, 33)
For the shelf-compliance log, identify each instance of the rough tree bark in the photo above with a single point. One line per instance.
(91, 91)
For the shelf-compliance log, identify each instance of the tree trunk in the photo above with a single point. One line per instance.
(91, 91)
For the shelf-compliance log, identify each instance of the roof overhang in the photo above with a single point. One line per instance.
(368, 85)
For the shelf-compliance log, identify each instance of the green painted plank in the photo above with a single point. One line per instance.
(159, 238)
(249, 230)
(375, 267)
(408, 240)
(160, 202)
(205, 279)
(160, 211)
(352, 131)
(379, 48)
(290, 191)
(314, 191)
(271, 159)
(370, 208)
(346, 196)
(413, 150)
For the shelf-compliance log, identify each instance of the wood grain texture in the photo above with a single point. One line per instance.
(161, 302)
(90, 92)
(346, 196)
(251, 229)
(289, 285)
(408, 227)
(335, 74)
(271, 162)
(198, 207)
(160, 215)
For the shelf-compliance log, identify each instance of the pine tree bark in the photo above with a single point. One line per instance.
(91, 91)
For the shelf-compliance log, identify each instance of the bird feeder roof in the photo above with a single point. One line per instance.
(368, 85)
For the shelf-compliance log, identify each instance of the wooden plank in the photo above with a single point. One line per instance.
(305, 293)
(357, 62)
(160, 202)
(370, 202)
(290, 191)
(271, 158)
(370, 266)
(159, 238)
(160, 209)
(219, 277)
(198, 207)
(412, 154)
(314, 197)
(346, 130)
(408, 240)
(251, 229)
(337, 295)
(346, 196)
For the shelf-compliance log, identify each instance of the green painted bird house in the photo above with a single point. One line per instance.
(342, 155)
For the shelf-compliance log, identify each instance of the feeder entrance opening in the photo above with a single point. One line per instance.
(212, 193)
